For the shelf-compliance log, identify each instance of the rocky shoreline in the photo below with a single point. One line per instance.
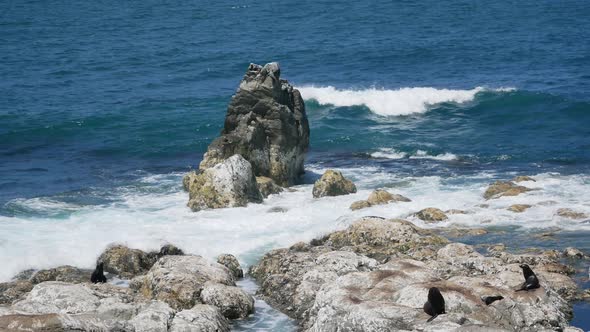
(374, 275)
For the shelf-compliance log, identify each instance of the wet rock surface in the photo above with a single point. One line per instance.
(333, 183)
(504, 188)
(431, 215)
(378, 197)
(230, 183)
(375, 276)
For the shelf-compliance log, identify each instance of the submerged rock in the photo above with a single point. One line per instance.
(431, 215)
(333, 286)
(518, 208)
(573, 253)
(378, 197)
(523, 178)
(571, 214)
(230, 183)
(360, 205)
(333, 183)
(504, 188)
(266, 124)
(267, 186)
(232, 263)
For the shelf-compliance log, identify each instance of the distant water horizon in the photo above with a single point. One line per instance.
(105, 105)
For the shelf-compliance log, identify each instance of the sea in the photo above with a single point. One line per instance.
(104, 105)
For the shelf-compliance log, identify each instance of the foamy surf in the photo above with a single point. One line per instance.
(385, 102)
(388, 153)
(145, 217)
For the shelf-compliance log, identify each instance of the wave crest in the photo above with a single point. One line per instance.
(391, 102)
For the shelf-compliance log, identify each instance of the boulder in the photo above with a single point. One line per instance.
(232, 301)
(125, 262)
(518, 208)
(431, 215)
(333, 183)
(59, 297)
(232, 263)
(381, 196)
(154, 317)
(267, 186)
(230, 183)
(360, 205)
(265, 123)
(179, 280)
(202, 318)
(504, 188)
(571, 214)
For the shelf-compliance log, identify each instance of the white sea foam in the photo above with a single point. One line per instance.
(388, 153)
(391, 102)
(146, 217)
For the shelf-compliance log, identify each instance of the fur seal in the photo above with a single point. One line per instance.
(435, 304)
(98, 275)
(530, 279)
(491, 299)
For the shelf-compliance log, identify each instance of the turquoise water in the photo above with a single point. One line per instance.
(103, 106)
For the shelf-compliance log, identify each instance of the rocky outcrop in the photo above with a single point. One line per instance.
(333, 183)
(431, 215)
(60, 306)
(267, 186)
(266, 124)
(518, 208)
(230, 183)
(571, 214)
(232, 263)
(378, 197)
(504, 188)
(332, 284)
(179, 280)
(128, 263)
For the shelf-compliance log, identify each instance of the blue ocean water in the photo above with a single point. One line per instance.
(104, 104)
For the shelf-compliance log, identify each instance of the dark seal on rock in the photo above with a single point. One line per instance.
(530, 279)
(98, 275)
(491, 299)
(436, 303)
(266, 124)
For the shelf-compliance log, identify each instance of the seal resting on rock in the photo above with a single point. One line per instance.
(435, 305)
(98, 274)
(491, 299)
(530, 279)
